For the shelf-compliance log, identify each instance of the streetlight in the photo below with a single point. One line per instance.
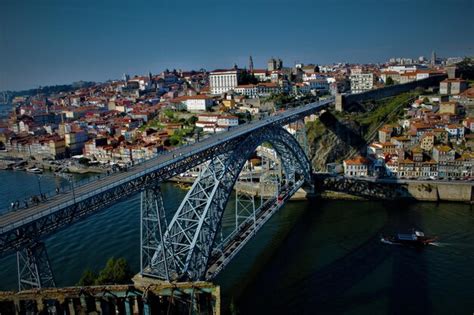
(71, 183)
(38, 177)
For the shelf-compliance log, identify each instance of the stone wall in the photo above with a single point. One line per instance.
(435, 191)
(344, 101)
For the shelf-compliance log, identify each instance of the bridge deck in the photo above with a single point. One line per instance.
(246, 231)
(13, 220)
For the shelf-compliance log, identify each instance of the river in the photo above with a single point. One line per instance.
(313, 256)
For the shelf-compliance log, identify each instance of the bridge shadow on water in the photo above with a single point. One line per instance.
(327, 290)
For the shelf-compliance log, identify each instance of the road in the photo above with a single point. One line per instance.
(15, 219)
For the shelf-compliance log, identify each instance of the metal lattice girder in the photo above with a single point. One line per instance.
(300, 135)
(34, 270)
(244, 207)
(153, 223)
(193, 229)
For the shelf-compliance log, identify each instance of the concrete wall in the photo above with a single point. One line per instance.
(344, 101)
(455, 192)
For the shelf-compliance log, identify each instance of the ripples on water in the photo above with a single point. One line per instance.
(320, 257)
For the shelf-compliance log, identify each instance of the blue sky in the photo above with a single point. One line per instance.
(45, 42)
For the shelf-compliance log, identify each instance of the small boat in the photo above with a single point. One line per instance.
(416, 238)
(34, 170)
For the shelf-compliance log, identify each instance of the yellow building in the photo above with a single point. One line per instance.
(448, 108)
(427, 141)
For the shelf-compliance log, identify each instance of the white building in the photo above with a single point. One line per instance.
(216, 123)
(260, 89)
(320, 84)
(360, 81)
(358, 166)
(222, 81)
(197, 103)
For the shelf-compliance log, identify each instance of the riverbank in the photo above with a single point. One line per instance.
(328, 187)
(8, 162)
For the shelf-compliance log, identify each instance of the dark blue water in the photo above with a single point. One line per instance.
(320, 257)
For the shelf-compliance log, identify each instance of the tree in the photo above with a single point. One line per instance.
(247, 78)
(116, 271)
(466, 68)
(389, 81)
(88, 278)
(192, 120)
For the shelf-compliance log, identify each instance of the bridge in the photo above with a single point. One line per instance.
(190, 247)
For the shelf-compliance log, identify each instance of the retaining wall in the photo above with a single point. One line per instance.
(344, 101)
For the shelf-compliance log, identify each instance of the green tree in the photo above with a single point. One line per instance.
(192, 120)
(466, 68)
(175, 139)
(116, 271)
(88, 278)
(247, 78)
(389, 81)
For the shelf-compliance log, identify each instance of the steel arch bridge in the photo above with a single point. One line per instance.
(191, 234)
(182, 249)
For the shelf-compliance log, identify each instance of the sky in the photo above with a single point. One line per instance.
(47, 42)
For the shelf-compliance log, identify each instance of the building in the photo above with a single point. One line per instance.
(222, 81)
(358, 166)
(385, 134)
(274, 64)
(390, 74)
(448, 108)
(443, 154)
(452, 86)
(407, 77)
(197, 102)
(260, 89)
(213, 123)
(75, 141)
(360, 81)
(427, 141)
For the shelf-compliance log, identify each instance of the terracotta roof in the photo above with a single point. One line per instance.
(359, 160)
(443, 148)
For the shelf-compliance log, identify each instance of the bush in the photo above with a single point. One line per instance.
(88, 278)
(116, 271)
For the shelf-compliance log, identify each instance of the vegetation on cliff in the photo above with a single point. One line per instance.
(335, 135)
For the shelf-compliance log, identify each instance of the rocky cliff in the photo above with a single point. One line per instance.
(336, 136)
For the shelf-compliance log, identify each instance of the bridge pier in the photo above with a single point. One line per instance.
(34, 269)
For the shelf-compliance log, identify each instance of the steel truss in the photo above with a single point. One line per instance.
(244, 201)
(34, 270)
(192, 232)
(301, 136)
(153, 223)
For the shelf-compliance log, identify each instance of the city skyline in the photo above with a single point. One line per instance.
(58, 43)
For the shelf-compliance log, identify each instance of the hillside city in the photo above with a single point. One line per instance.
(95, 126)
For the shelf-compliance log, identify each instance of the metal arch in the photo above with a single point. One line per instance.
(192, 231)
